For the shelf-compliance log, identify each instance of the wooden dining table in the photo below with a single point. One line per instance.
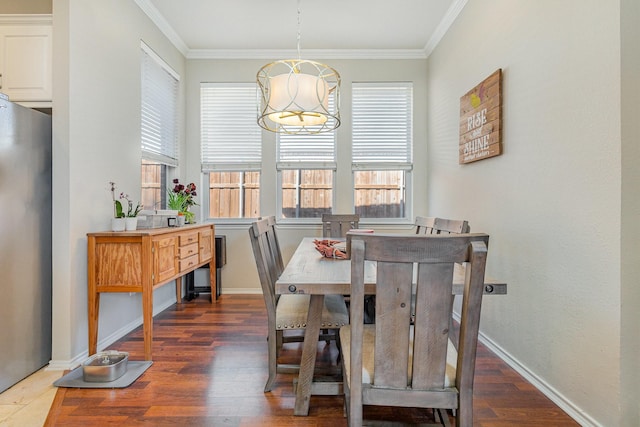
(308, 272)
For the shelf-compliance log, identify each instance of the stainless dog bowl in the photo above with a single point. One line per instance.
(105, 366)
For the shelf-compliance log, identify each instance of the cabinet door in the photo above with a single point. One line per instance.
(165, 259)
(25, 62)
(206, 245)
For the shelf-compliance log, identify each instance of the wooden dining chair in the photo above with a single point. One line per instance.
(337, 225)
(399, 361)
(434, 225)
(286, 312)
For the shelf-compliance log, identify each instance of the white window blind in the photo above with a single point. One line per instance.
(382, 126)
(159, 109)
(231, 139)
(310, 151)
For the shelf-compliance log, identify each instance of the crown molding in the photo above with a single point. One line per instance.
(442, 28)
(307, 53)
(31, 19)
(166, 29)
(156, 17)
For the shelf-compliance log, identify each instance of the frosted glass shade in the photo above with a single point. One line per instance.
(298, 99)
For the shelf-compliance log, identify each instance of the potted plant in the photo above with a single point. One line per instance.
(117, 222)
(122, 221)
(181, 198)
(131, 217)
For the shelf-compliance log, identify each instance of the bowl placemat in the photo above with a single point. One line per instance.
(75, 377)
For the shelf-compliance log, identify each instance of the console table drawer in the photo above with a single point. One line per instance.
(188, 262)
(188, 250)
(188, 238)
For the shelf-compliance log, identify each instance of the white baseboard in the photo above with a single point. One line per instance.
(62, 365)
(579, 415)
(241, 291)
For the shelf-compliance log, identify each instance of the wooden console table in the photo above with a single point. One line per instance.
(141, 261)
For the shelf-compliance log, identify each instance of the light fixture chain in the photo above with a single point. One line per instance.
(299, 57)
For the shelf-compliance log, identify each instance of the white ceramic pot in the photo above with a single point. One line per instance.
(117, 224)
(131, 224)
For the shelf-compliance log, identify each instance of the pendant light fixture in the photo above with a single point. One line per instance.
(298, 96)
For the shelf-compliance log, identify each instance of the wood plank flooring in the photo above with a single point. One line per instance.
(210, 366)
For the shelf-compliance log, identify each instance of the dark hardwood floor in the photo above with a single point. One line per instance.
(210, 366)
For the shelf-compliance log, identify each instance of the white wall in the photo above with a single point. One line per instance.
(96, 121)
(240, 275)
(552, 201)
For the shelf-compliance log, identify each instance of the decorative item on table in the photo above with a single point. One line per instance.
(131, 217)
(160, 218)
(117, 222)
(331, 248)
(181, 198)
(122, 220)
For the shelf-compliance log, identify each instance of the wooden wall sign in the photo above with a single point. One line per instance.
(481, 120)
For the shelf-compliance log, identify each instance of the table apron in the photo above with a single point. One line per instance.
(345, 289)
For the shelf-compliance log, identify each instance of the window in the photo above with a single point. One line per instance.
(382, 138)
(306, 173)
(153, 188)
(158, 127)
(231, 147)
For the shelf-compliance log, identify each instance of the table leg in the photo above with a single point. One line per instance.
(179, 290)
(94, 306)
(213, 280)
(309, 350)
(147, 322)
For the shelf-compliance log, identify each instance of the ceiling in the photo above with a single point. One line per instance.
(218, 28)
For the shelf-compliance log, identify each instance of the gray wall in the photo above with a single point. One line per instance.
(96, 139)
(630, 262)
(552, 201)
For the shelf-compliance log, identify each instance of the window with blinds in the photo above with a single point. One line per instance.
(158, 126)
(382, 148)
(159, 109)
(231, 149)
(306, 169)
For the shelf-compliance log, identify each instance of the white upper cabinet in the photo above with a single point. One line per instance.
(26, 59)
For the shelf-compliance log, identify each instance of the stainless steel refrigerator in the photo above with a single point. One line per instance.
(25, 242)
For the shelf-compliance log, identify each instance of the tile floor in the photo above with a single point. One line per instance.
(27, 403)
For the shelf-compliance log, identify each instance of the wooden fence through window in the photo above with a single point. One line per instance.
(307, 194)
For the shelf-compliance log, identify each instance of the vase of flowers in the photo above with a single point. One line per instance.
(122, 220)
(181, 198)
(131, 217)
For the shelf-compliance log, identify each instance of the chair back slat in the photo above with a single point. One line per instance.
(434, 225)
(393, 299)
(431, 324)
(337, 225)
